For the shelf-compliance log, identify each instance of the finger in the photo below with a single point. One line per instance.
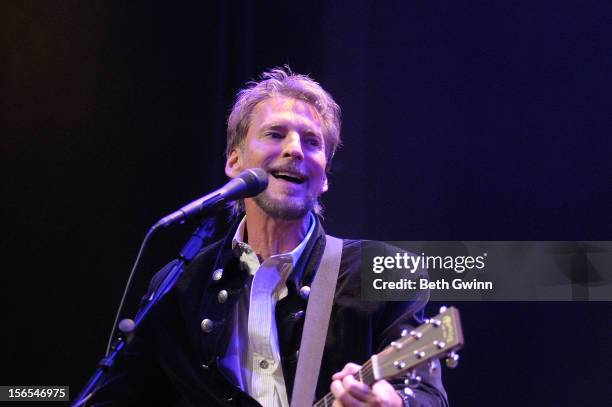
(349, 368)
(342, 397)
(337, 390)
(384, 394)
(358, 390)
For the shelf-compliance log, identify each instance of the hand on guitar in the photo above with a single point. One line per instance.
(349, 392)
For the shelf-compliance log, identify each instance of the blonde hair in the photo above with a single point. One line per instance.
(281, 81)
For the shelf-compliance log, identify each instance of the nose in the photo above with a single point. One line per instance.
(293, 146)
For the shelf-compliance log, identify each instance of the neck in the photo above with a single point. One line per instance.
(269, 236)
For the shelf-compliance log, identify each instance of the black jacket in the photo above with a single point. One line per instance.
(173, 359)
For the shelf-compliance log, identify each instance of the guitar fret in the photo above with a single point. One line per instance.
(367, 373)
(412, 350)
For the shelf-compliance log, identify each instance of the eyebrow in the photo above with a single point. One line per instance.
(308, 129)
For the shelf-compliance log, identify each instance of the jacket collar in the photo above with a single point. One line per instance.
(305, 267)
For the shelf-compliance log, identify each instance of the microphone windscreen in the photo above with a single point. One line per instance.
(256, 181)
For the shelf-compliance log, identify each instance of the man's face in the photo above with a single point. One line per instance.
(285, 138)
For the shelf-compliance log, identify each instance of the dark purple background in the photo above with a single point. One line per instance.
(485, 120)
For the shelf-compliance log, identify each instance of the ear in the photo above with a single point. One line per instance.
(233, 165)
(325, 185)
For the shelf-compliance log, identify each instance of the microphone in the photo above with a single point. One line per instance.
(249, 183)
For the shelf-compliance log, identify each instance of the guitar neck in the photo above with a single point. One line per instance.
(438, 336)
(364, 375)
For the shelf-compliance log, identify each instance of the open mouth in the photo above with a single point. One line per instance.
(288, 176)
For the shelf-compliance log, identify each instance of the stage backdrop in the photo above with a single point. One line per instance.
(462, 121)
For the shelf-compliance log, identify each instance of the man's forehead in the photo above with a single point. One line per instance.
(280, 108)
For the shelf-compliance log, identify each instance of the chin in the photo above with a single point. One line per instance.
(287, 208)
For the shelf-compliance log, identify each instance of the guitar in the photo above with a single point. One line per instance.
(438, 336)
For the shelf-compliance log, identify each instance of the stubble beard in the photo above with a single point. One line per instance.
(288, 209)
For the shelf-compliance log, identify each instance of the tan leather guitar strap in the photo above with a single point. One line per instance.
(318, 311)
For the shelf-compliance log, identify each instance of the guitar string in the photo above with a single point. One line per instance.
(329, 397)
(367, 367)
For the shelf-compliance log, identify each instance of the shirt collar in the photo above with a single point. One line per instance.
(238, 240)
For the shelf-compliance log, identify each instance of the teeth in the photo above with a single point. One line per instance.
(287, 174)
(291, 177)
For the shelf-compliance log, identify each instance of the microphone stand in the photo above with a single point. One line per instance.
(128, 327)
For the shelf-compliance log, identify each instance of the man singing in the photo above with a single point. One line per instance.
(229, 332)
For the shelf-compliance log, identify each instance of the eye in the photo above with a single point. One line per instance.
(274, 134)
(313, 141)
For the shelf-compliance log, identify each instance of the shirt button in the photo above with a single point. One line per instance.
(206, 325)
(263, 364)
